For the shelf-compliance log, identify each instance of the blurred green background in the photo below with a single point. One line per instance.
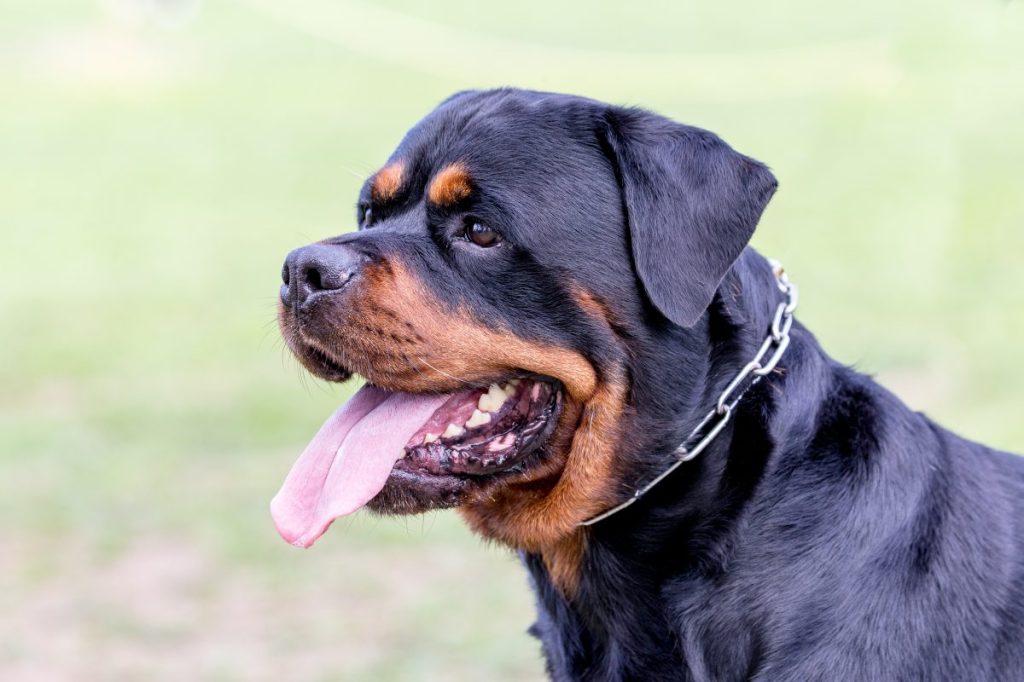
(159, 158)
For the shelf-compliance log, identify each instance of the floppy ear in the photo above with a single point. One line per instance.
(692, 203)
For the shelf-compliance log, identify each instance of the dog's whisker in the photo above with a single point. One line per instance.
(354, 173)
(446, 374)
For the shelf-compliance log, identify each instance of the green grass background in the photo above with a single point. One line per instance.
(159, 158)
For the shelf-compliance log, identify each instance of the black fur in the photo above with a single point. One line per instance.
(830, 533)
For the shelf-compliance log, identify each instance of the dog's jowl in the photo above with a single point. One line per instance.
(547, 296)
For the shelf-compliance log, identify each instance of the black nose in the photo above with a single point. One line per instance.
(317, 269)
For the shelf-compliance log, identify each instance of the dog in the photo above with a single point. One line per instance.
(565, 335)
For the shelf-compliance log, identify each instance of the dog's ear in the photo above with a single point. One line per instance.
(692, 203)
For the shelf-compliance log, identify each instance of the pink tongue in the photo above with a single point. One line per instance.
(348, 461)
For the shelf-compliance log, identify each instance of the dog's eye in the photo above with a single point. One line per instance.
(482, 235)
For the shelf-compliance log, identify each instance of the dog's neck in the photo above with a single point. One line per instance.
(686, 528)
(692, 368)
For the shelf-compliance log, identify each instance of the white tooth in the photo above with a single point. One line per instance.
(429, 438)
(453, 431)
(497, 393)
(486, 403)
(492, 400)
(479, 418)
(510, 390)
(514, 382)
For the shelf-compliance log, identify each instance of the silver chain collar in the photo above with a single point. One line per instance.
(776, 343)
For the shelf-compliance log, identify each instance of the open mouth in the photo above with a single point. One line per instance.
(470, 435)
(483, 431)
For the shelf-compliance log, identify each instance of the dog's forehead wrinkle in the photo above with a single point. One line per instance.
(510, 139)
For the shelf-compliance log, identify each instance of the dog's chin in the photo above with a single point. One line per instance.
(318, 362)
(409, 492)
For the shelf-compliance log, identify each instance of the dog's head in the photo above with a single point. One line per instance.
(520, 258)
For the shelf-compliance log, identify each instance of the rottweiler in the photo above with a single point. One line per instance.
(565, 335)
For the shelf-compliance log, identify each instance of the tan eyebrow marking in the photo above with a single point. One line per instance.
(387, 181)
(451, 185)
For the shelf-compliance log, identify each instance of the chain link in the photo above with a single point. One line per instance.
(701, 437)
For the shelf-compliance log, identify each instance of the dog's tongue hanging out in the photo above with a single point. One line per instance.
(348, 461)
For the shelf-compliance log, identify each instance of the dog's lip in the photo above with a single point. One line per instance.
(522, 423)
(321, 362)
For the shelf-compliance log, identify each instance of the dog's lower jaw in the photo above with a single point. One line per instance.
(398, 499)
